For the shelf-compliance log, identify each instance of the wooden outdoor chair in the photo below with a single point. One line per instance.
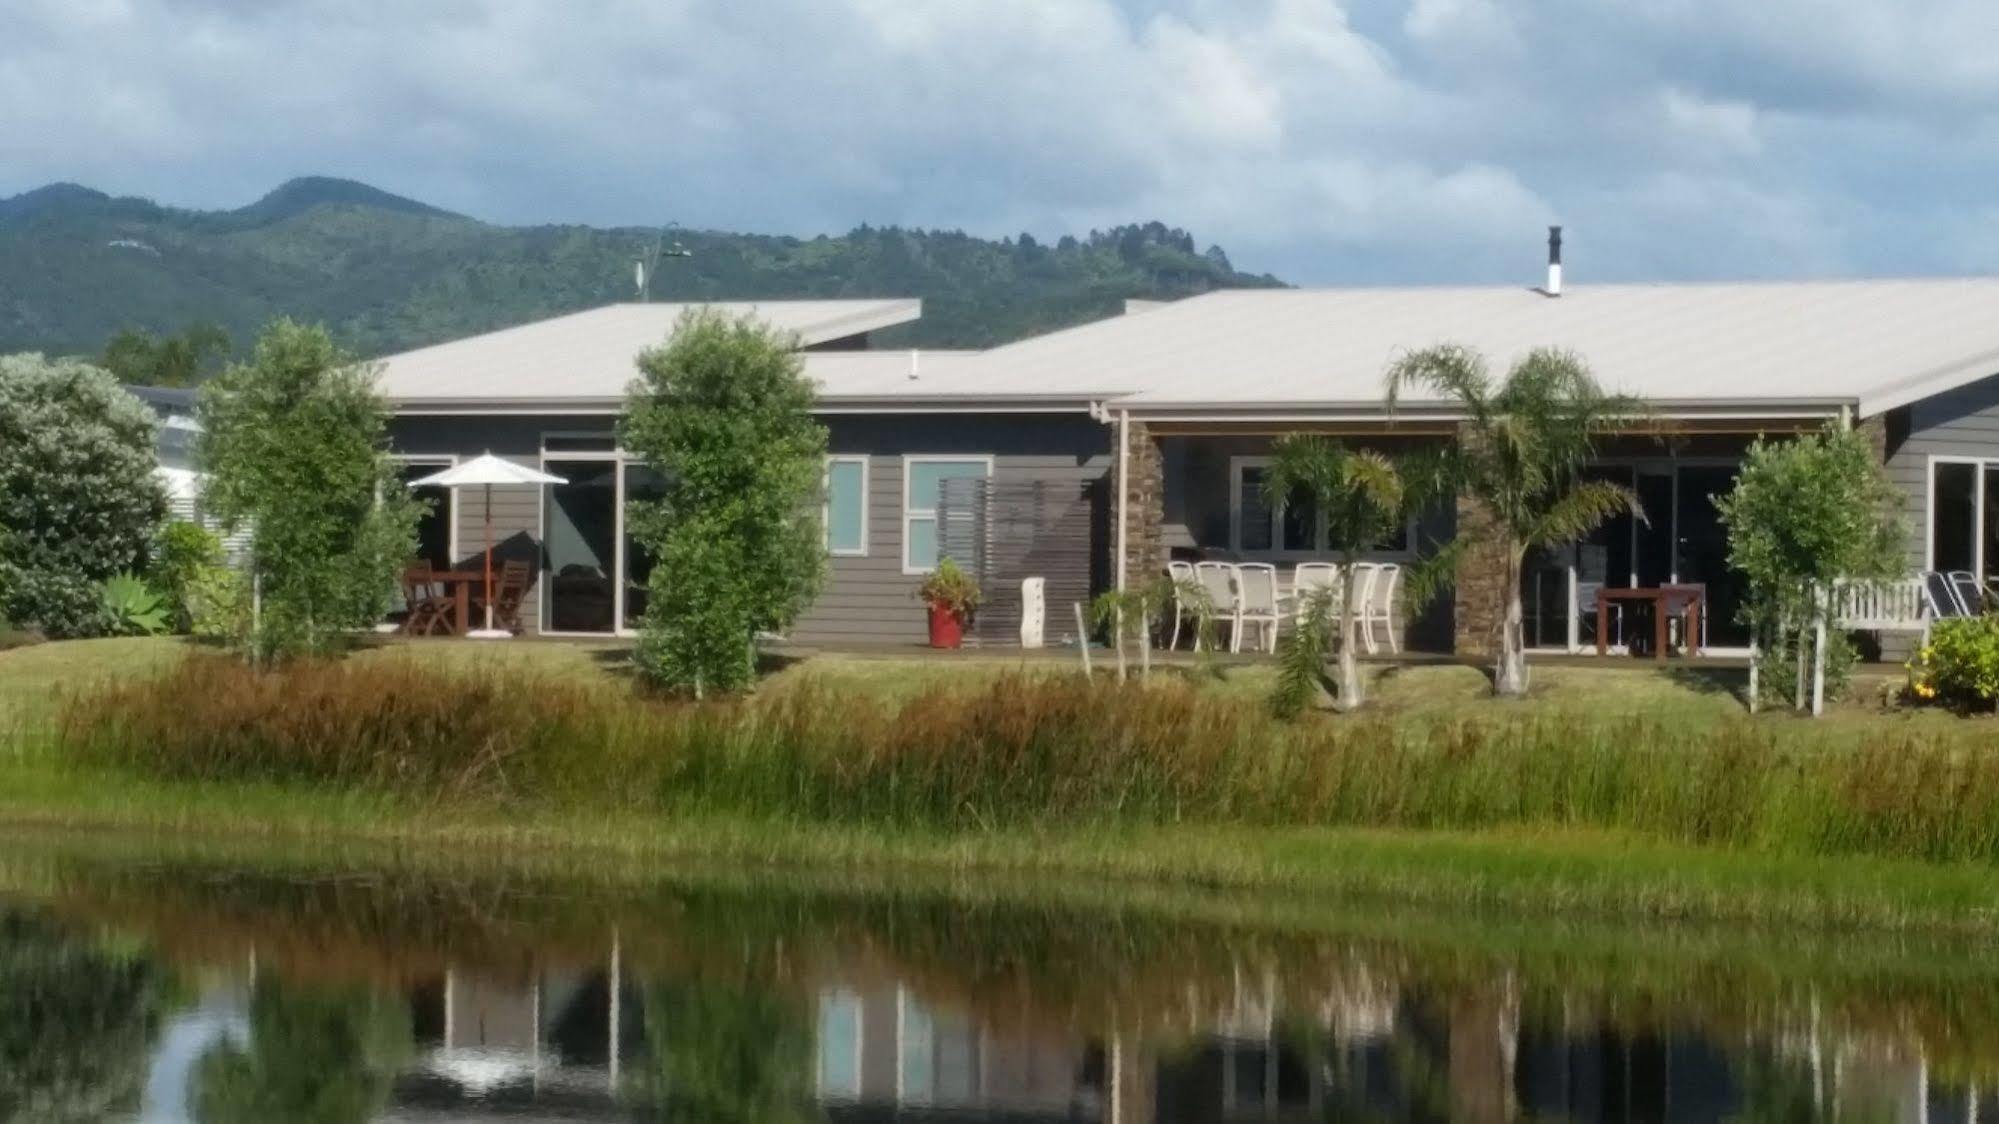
(510, 590)
(427, 609)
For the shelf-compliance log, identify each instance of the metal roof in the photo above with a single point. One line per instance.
(1758, 347)
(588, 356)
(1753, 349)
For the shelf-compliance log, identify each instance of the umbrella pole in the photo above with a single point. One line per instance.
(489, 558)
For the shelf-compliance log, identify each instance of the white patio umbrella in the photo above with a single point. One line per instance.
(486, 470)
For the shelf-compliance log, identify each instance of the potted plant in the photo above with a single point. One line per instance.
(952, 596)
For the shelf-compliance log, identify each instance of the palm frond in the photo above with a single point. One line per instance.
(1454, 371)
(1375, 479)
(1584, 508)
(1423, 581)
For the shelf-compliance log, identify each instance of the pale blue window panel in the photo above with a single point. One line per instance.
(847, 505)
(839, 1045)
(916, 1046)
(922, 479)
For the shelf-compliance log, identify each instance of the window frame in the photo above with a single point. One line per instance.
(442, 460)
(910, 514)
(1980, 468)
(1275, 553)
(826, 508)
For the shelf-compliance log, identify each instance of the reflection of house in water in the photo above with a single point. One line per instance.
(573, 1044)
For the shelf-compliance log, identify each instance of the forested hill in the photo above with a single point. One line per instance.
(388, 273)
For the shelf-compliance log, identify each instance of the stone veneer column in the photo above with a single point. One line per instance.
(1479, 589)
(1144, 506)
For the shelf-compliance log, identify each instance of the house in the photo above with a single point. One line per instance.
(1094, 454)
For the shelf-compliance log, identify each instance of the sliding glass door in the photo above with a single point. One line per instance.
(1681, 540)
(1964, 517)
(579, 526)
(594, 573)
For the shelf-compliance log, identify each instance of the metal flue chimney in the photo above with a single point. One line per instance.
(1554, 285)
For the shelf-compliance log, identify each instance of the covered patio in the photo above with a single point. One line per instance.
(1192, 492)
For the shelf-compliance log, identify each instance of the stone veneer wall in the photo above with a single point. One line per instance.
(1144, 507)
(1478, 609)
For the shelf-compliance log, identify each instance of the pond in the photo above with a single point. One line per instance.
(165, 982)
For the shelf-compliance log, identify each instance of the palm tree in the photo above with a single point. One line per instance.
(1520, 456)
(1363, 499)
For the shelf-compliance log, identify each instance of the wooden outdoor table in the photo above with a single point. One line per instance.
(1657, 597)
(460, 583)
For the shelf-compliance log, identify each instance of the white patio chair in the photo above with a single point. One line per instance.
(1586, 598)
(1379, 607)
(1969, 590)
(1363, 577)
(1218, 581)
(1308, 579)
(1256, 604)
(1179, 573)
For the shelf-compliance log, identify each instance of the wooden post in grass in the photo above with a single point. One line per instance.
(1755, 658)
(1082, 637)
(1818, 662)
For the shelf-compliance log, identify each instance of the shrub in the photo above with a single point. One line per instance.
(1960, 665)
(78, 497)
(133, 608)
(295, 445)
(723, 413)
(218, 605)
(182, 551)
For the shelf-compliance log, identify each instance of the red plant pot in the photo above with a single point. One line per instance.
(947, 629)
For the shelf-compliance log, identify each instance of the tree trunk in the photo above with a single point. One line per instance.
(1509, 679)
(1349, 697)
(1117, 634)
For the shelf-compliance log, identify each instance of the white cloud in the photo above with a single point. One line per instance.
(1322, 139)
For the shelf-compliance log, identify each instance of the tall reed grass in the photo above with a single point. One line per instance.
(1041, 750)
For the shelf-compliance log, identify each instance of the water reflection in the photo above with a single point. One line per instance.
(212, 993)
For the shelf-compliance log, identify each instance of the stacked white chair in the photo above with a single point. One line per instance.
(1218, 580)
(1257, 604)
(1179, 573)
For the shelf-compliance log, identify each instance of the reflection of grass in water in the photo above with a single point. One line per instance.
(730, 1051)
(1042, 955)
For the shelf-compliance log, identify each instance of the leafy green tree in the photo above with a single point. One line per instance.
(77, 1023)
(1363, 498)
(1805, 513)
(79, 500)
(184, 359)
(295, 444)
(322, 1056)
(723, 412)
(1519, 458)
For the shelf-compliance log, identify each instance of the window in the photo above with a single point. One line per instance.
(1964, 516)
(847, 506)
(1294, 526)
(922, 480)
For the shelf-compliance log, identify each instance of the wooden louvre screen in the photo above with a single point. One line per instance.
(1005, 531)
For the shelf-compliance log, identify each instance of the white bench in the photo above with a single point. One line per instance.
(1902, 605)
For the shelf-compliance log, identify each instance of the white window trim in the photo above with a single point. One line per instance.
(1273, 554)
(1980, 466)
(447, 460)
(909, 461)
(826, 509)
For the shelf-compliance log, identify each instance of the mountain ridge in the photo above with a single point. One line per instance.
(386, 272)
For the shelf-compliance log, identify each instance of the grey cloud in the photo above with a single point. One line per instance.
(1370, 140)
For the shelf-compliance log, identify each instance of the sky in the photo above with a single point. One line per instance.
(1326, 141)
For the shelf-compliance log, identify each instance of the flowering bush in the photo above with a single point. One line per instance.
(1960, 664)
(78, 499)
